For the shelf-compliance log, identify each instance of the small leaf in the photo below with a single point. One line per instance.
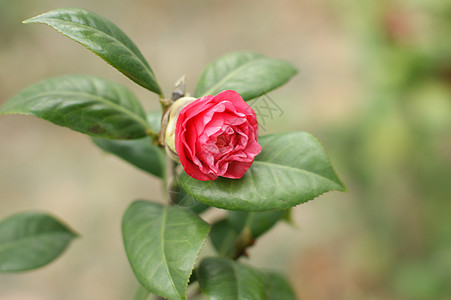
(154, 120)
(291, 169)
(104, 39)
(91, 105)
(225, 279)
(31, 240)
(250, 74)
(279, 288)
(162, 245)
(257, 222)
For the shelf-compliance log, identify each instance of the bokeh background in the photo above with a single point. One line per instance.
(374, 86)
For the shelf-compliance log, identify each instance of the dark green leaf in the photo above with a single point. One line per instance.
(88, 104)
(223, 237)
(31, 240)
(104, 39)
(279, 288)
(225, 279)
(141, 153)
(162, 245)
(232, 235)
(250, 74)
(180, 198)
(291, 169)
(288, 217)
(257, 222)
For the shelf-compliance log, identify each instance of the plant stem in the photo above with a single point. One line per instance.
(243, 241)
(170, 185)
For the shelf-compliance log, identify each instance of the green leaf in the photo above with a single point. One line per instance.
(154, 120)
(162, 245)
(142, 153)
(180, 198)
(142, 293)
(279, 288)
(104, 39)
(88, 104)
(291, 169)
(31, 240)
(238, 231)
(223, 237)
(250, 74)
(257, 222)
(225, 279)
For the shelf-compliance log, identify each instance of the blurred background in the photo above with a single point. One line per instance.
(374, 86)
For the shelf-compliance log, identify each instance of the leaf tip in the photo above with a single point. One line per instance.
(30, 20)
(343, 188)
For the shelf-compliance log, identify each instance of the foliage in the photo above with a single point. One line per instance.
(163, 242)
(31, 240)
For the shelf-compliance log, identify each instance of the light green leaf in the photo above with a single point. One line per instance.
(291, 169)
(31, 240)
(250, 74)
(225, 279)
(162, 245)
(142, 293)
(91, 105)
(279, 288)
(154, 120)
(104, 39)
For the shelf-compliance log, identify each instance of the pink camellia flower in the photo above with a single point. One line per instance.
(217, 136)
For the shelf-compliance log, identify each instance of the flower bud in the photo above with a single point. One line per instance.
(168, 125)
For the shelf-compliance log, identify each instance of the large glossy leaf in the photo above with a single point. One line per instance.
(88, 104)
(162, 245)
(225, 279)
(250, 74)
(291, 169)
(279, 288)
(104, 39)
(31, 240)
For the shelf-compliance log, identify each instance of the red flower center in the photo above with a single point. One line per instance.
(222, 141)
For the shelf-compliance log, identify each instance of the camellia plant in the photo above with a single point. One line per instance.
(205, 148)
